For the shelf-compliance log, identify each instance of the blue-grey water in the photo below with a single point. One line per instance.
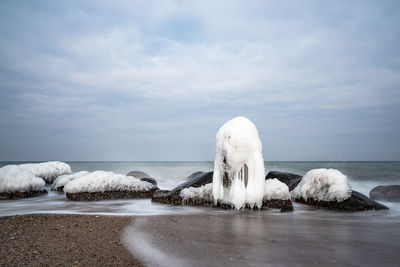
(363, 176)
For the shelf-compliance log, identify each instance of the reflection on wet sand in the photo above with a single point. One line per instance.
(306, 237)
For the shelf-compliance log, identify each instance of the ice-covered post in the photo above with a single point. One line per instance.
(239, 172)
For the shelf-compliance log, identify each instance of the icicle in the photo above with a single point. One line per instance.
(239, 166)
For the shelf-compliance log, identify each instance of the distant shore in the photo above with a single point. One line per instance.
(68, 240)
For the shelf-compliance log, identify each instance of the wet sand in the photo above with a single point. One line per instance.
(68, 240)
(315, 238)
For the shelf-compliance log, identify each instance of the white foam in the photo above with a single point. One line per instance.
(275, 189)
(202, 193)
(323, 184)
(62, 180)
(101, 181)
(238, 154)
(15, 179)
(47, 170)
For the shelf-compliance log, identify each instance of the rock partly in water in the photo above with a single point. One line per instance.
(95, 196)
(173, 197)
(290, 179)
(195, 174)
(18, 195)
(386, 193)
(356, 202)
(197, 192)
(285, 205)
(61, 181)
(143, 177)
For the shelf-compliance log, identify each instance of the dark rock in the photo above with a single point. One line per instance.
(138, 174)
(290, 179)
(143, 177)
(172, 197)
(19, 195)
(356, 202)
(386, 192)
(283, 205)
(59, 189)
(195, 174)
(95, 196)
(149, 180)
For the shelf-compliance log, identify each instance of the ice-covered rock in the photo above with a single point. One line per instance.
(197, 195)
(330, 189)
(290, 179)
(239, 165)
(47, 170)
(61, 181)
(16, 182)
(173, 196)
(323, 185)
(107, 185)
(275, 189)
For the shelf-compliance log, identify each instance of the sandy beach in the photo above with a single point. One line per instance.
(306, 237)
(68, 240)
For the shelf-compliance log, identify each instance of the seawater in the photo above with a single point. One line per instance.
(363, 176)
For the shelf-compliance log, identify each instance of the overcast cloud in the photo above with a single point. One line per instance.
(154, 80)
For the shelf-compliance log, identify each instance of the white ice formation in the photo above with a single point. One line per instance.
(239, 165)
(275, 189)
(15, 179)
(323, 184)
(47, 170)
(203, 193)
(62, 180)
(101, 181)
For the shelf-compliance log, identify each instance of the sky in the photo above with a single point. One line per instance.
(155, 80)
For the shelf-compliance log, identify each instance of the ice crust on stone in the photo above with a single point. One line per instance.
(62, 180)
(275, 189)
(101, 181)
(203, 193)
(323, 184)
(15, 179)
(239, 165)
(47, 170)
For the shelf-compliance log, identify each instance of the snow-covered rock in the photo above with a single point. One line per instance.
(107, 185)
(239, 165)
(15, 180)
(61, 181)
(47, 170)
(173, 196)
(275, 189)
(323, 185)
(196, 195)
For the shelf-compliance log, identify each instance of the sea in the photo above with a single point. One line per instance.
(362, 176)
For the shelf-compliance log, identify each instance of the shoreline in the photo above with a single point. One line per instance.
(306, 237)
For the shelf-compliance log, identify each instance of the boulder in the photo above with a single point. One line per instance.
(19, 195)
(173, 197)
(195, 174)
(283, 205)
(290, 179)
(204, 180)
(386, 193)
(95, 196)
(143, 177)
(100, 185)
(356, 202)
